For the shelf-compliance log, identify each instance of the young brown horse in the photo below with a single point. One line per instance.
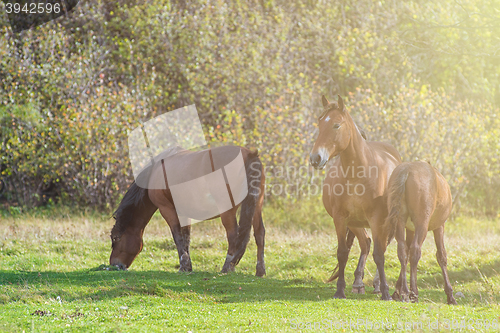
(139, 205)
(417, 190)
(354, 189)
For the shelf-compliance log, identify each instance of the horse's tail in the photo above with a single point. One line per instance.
(135, 206)
(253, 169)
(396, 201)
(349, 240)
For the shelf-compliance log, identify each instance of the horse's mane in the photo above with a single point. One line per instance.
(361, 131)
(132, 209)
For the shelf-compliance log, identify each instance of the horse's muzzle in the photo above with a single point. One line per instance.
(121, 267)
(317, 161)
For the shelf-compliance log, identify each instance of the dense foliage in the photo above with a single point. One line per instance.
(422, 75)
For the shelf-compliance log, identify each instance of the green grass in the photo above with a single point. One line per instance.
(51, 278)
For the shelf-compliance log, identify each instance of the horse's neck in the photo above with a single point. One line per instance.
(356, 152)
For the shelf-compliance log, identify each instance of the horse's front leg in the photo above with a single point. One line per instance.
(181, 235)
(358, 287)
(231, 225)
(185, 259)
(379, 247)
(342, 255)
(443, 262)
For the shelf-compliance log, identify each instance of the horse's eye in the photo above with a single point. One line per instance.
(336, 126)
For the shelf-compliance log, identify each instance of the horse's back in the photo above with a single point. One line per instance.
(184, 176)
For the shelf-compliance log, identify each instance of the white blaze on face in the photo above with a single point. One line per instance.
(323, 152)
(327, 118)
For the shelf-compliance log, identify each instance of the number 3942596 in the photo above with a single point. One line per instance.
(32, 8)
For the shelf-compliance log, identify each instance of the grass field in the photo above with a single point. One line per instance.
(51, 280)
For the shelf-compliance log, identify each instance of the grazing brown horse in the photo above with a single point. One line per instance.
(417, 190)
(139, 205)
(354, 189)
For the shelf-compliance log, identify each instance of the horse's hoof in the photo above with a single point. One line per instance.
(377, 291)
(185, 269)
(413, 297)
(396, 297)
(452, 301)
(386, 298)
(339, 295)
(185, 260)
(358, 290)
(260, 271)
(227, 268)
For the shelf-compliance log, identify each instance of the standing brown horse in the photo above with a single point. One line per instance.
(139, 205)
(354, 191)
(417, 190)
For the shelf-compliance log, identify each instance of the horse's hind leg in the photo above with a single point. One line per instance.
(415, 254)
(181, 235)
(229, 221)
(259, 233)
(442, 260)
(401, 293)
(358, 287)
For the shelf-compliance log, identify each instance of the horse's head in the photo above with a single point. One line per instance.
(125, 247)
(334, 133)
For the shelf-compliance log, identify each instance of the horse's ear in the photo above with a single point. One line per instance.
(325, 101)
(340, 102)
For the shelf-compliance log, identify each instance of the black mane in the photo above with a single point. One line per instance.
(361, 131)
(135, 208)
